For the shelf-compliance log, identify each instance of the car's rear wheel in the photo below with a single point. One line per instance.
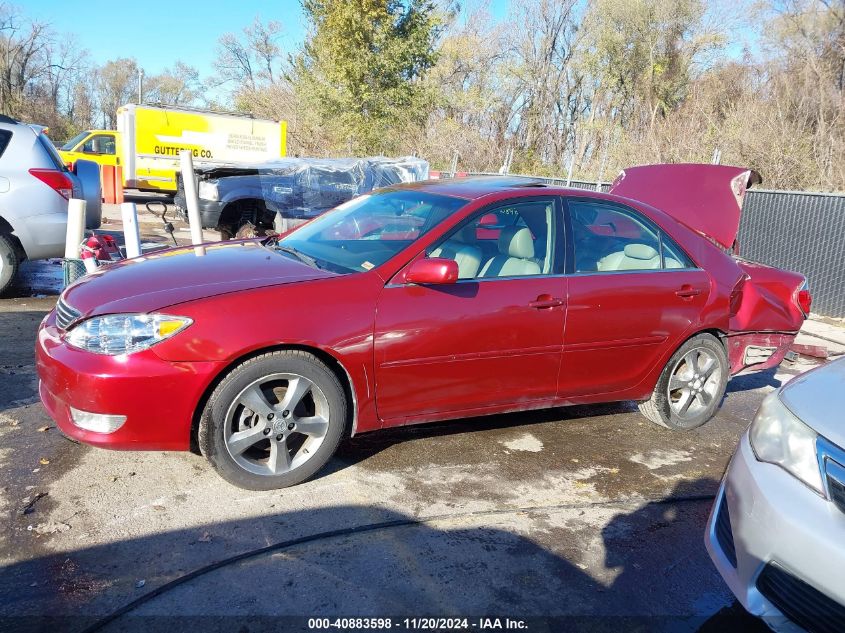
(273, 421)
(9, 262)
(691, 386)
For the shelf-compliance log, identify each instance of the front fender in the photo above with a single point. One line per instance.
(334, 315)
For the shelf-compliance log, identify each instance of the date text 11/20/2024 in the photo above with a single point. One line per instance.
(422, 624)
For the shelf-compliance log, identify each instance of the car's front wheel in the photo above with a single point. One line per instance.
(8, 262)
(273, 421)
(691, 386)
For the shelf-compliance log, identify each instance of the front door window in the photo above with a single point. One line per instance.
(516, 240)
(100, 144)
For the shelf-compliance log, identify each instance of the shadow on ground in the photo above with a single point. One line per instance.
(754, 380)
(375, 562)
(366, 445)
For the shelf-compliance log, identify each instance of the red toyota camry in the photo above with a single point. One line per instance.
(416, 303)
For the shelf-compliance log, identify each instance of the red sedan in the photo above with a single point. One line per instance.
(417, 303)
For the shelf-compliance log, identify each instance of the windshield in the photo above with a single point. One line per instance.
(74, 141)
(367, 231)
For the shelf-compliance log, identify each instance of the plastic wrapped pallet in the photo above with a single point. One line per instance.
(296, 188)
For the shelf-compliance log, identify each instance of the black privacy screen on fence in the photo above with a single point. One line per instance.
(804, 232)
(800, 231)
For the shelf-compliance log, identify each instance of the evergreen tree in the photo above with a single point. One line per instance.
(361, 67)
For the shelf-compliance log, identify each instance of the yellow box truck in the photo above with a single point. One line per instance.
(148, 140)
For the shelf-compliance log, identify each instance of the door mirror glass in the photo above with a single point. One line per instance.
(432, 270)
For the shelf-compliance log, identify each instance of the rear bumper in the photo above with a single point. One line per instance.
(756, 351)
(157, 397)
(43, 236)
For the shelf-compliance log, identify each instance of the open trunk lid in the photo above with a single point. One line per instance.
(706, 198)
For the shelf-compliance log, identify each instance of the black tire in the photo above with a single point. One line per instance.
(225, 411)
(664, 407)
(9, 262)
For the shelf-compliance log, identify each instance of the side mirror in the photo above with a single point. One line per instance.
(432, 270)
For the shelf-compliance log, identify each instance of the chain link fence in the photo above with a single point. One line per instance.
(795, 230)
(799, 231)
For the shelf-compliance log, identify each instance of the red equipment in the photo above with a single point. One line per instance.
(103, 247)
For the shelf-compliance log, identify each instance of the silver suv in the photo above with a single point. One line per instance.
(34, 190)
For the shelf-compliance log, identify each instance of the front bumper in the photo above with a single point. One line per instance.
(775, 520)
(157, 397)
(210, 210)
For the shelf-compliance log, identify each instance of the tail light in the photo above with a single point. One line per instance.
(56, 180)
(804, 299)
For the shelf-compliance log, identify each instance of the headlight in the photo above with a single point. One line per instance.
(116, 334)
(208, 190)
(778, 437)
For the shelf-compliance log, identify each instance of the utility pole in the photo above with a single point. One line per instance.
(603, 160)
(717, 157)
(140, 85)
(569, 171)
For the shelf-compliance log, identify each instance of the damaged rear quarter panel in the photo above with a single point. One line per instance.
(766, 319)
(768, 300)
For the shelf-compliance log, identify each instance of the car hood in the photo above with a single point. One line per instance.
(706, 198)
(818, 399)
(164, 278)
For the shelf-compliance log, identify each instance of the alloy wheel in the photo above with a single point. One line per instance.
(694, 382)
(276, 424)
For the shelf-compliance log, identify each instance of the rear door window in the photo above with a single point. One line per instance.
(5, 137)
(612, 238)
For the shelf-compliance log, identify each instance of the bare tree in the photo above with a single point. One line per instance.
(116, 85)
(178, 85)
(252, 58)
(24, 57)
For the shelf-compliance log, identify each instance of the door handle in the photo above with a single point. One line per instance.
(688, 292)
(544, 302)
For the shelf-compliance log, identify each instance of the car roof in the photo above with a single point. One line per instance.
(8, 123)
(477, 187)
(474, 187)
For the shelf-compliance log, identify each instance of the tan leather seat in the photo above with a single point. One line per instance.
(461, 249)
(516, 253)
(635, 257)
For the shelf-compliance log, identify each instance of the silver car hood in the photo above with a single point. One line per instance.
(818, 399)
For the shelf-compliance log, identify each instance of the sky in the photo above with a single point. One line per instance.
(158, 32)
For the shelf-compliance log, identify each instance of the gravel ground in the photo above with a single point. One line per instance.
(591, 514)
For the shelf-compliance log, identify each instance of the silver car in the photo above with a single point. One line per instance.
(777, 529)
(34, 190)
